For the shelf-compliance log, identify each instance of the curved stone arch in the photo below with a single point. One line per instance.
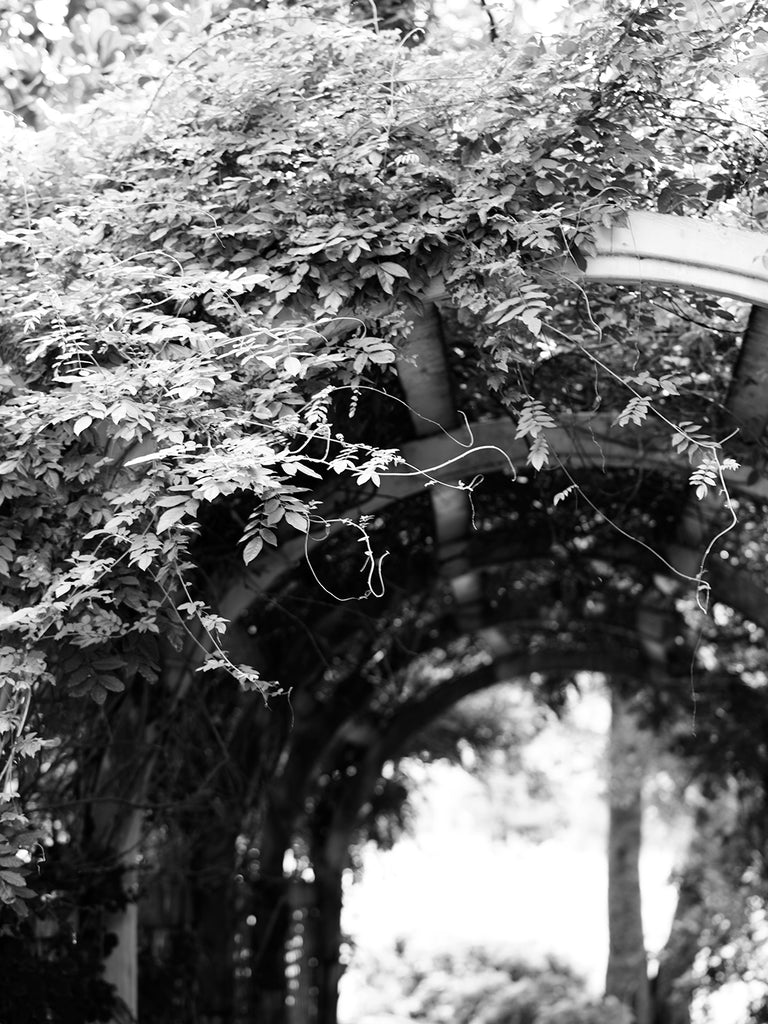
(630, 644)
(383, 739)
(630, 635)
(330, 833)
(667, 259)
(585, 447)
(680, 251)
(607, 643)
(613, 636)
(643, 638)
(413, 716)
(416, 715)
(683, 252)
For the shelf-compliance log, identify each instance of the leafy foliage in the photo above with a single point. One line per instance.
(237, 231)
(57, 55)
(534, 420)
(477, 984)
(19, 846)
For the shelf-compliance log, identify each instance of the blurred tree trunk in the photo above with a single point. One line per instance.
(327, 928)
(271, 907)
(121, 964)
(318, 905)
(115, 830)
(673, 985)
(119, 791)
(330, 833)
(214, 923)
(303, 955)
(627, 974)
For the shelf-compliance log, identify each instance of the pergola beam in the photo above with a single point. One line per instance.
(647, 247)
(584, 443)
(424, 375)
(682, 252)
(587, 441)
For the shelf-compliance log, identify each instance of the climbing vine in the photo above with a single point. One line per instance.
(238, 230)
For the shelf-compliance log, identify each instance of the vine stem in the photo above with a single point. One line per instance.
(371, 565)
(712, 446)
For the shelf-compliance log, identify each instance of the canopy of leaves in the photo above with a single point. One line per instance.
(202, 263)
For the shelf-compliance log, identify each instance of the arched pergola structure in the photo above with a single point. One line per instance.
(653, 248)
(647, 248)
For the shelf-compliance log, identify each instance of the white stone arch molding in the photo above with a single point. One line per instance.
(682, 252)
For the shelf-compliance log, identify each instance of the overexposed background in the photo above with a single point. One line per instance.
(539, 890)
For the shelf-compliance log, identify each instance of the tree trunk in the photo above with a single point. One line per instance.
(748, 394)
(627, 974)
(302, 994)
(272, 909)
(673, 985)
(318, 904)
(214, 923)
(117, 828)
(327, 929)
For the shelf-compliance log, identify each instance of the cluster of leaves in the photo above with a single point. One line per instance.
(534, 420)
(55, 55)
(137, 385)
(55, 955)
(164, 246)
(19, 843)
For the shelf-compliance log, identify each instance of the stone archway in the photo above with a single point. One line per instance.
(630, 253)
